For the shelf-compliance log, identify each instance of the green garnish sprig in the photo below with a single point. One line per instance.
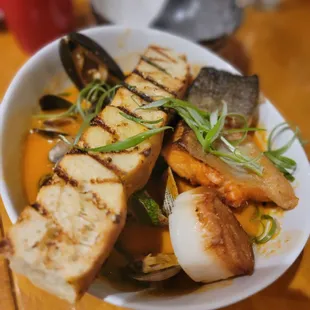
(209, 128)
(285, 164)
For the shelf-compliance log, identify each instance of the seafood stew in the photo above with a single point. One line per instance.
(106, 145)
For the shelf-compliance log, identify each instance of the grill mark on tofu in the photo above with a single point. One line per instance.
(126, 111)
(160, 51)
(64, 175)
(76, 151)
(6, 246)
(102, 206)
(39, 208)
(107, 162)
(134, 90)
(150, 79)
(97, 121)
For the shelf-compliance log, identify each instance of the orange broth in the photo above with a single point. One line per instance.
(137, 239)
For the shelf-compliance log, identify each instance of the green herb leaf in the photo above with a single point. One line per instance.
(285, 164)
(270, 228)
(152, 63)
(129, 142)
(141, 121)
(217, 126)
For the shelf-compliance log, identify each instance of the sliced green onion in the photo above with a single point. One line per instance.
(152, 63)
(284, 164)
(146, 123)
(129, 142)
(217, 127)
(270, 229)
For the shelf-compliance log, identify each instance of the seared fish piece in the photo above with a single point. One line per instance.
(212, 86)
(208, 241)
(186, 157)
(62, 240)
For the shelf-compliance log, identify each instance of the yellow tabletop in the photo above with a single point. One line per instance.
(276, 46)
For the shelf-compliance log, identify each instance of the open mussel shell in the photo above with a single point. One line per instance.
(85, 61)
(59, 150)
(154, 268)
(49, 133)
(53, 102)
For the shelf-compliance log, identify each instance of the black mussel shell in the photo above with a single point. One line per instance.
(58, 122)
(85, 61)
(49, 133)
(53, 102)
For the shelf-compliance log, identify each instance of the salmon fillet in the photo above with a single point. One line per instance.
(186, 157)
(62, 240)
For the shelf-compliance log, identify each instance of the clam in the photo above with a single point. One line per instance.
(59, 150)
(153, 268)
(49, 133)
(53, 102)
(85, 61)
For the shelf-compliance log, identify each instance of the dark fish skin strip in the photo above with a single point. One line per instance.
(212, 86)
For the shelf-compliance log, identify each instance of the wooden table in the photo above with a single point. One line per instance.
(276, 46)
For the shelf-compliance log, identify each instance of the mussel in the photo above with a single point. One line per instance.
(49, 133)
(59, 150)
(53, 102)
(85, 61)
(153, 268)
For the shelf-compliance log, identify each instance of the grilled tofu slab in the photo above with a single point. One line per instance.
(186, 157)
(62, 240)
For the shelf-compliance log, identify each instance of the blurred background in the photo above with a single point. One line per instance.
(265, 37)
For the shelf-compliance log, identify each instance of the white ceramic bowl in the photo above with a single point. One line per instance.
(44, 72)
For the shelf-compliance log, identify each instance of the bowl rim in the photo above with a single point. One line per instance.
(13, 214)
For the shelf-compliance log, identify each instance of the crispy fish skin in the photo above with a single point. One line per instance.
(211, 87)
(62, 240)
(186, 157)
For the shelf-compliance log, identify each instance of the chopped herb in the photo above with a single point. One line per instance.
(209, 128)
(269, 225)
(141, 121)
(285, 164)
(129, 142)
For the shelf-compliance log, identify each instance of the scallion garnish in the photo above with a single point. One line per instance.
(208, 129)
(152, 63)
(269, 225)
(285, 164)
(127, 143)
(146, 123)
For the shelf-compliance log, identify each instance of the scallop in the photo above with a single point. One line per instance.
(208, 241)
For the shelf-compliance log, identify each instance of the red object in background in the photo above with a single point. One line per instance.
(36, 22)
